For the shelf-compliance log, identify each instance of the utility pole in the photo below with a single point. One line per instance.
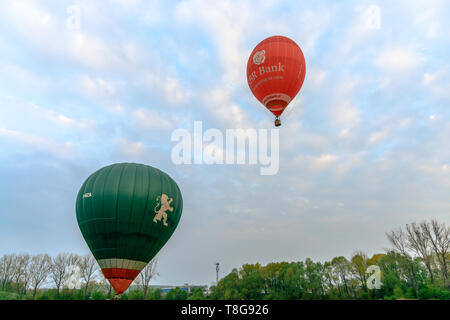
(217, 273)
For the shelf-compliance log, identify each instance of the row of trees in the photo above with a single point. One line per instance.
(25, 274)
(416, 267)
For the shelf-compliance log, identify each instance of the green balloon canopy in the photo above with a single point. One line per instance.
(126, 213)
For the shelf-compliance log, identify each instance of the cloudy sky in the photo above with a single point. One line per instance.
(364, 148)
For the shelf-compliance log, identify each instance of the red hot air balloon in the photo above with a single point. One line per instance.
(275, 73)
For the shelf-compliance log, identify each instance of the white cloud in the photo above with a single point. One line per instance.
(365, 23)
(438, 81)
(429, 17)
(308, 140)
(398, 59)
(378, 135)
(227, 22)
(224, 109)
(345, 115)
(344, 133)
(115, 108)
(171, 88)
(324, 160)
(128, 4)
(318, 163)
(439, 169)
(28, 114)
(90, 50)
(155, 11)
(48, 33)
(405, 123)
(316, 77)
(30, 20)
(98, 86)
(62, 120)
(15, 74)
(349, 162)
(152, 119)
(37, 143)
(133, 149)
(429, 78)
(104, 91)
(309, 26)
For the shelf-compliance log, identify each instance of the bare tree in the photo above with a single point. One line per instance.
(147, 274)
(399, 241)
(74, 259)
(20, 276)
(88, 270)
(418, 242)
(439, 237)
(106, 287)
(39, 269)
(73, 271)
(6, 269)
(59, 270)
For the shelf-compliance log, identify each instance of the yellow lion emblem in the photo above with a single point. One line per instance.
(164, 203)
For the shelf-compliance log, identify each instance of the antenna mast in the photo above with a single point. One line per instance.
(217, 273)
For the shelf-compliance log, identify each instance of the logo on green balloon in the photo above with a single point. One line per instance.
(163, 202)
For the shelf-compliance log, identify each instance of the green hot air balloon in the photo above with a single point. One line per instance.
(126, 213)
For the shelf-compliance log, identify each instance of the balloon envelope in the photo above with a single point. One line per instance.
(275, 72)
(126, 213)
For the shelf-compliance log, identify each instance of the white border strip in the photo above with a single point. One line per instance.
(120, 263)
(276, 96)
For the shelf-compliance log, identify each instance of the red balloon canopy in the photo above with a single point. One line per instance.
(275, 72)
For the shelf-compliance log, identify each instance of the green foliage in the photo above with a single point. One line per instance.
(136, 295)
(403, 276)
(155, 294)
(444, 294)
(177, 294)
(8, 295)
(197, 294)
(98, 295)
(426, 293)
(365, 296)
(336, 279)
(228, 288)
(78, 295)
(398, 293)
(28, 296)
(46, 295)
(66, 294)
